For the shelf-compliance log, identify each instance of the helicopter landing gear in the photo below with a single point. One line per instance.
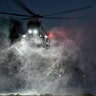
(46, 43)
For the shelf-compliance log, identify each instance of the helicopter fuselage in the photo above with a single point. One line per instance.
(34, 29)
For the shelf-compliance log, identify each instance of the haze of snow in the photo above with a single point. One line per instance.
(67, 67)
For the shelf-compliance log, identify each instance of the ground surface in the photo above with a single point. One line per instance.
(49, 95)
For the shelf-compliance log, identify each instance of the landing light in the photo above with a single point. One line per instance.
(46, 36)
(35, 31)
(30, 31)
(24, 36)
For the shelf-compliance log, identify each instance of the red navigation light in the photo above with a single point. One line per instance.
(50, 35)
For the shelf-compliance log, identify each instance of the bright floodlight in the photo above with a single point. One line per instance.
(46, 36)
(24, 36)
(30, 31)
(35, 31)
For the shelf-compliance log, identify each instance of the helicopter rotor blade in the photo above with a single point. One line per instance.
(15, 14)
(60, 18)
(69, 11)
(23, 6)
(28, 18)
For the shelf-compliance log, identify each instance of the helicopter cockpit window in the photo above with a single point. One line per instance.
(32, 24)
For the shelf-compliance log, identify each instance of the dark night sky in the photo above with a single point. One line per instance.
(50, 6)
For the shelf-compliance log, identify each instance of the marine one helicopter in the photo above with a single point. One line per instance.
(34, 26)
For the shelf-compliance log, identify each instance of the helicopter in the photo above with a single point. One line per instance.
(34, 26)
